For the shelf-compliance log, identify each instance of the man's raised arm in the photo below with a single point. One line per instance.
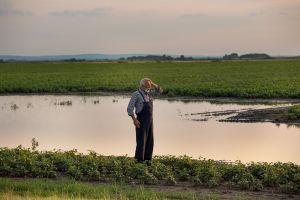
(157, 88)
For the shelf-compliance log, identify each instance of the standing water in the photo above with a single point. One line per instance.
(101, 123)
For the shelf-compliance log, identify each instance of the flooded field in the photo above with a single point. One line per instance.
(101, 123)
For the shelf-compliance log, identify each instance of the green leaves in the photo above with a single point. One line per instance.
(243, 79)
(22, 162)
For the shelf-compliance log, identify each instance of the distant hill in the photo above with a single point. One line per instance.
(68, 57)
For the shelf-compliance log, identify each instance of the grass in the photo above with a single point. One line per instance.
(292, 114)
(242, 79)
(70, 189)
(165, 170)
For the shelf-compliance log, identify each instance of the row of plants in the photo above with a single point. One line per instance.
(243, 79)
(170, 170)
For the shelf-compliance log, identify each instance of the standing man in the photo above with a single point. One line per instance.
(142, 101)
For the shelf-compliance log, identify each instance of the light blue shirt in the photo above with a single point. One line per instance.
(136, 100)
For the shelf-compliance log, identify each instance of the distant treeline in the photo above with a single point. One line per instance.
(164, 57)
(157, 57)
(74, 60)
(232, 56)
(255, 56)
(235, 56)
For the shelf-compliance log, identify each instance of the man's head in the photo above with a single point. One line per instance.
(145, 83)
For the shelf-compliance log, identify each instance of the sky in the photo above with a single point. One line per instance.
(189, 27)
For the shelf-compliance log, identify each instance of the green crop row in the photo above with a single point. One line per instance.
(170, 170)
(242, 79)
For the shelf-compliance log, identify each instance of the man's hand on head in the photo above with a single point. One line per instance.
(157, 87)
(153, 84)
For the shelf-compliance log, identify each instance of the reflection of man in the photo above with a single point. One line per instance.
(142, 101)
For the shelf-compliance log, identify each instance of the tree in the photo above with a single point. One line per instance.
(231, 56)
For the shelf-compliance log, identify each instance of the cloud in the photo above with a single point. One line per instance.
(194, 15)
(15, 12)
(283, 13)
(255, 14)
(5, 4)
(6, 8)
(85, 13)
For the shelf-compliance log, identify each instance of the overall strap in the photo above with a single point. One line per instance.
(142, 96)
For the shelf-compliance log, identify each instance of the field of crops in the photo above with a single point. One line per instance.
(249, 79)
(165, 170)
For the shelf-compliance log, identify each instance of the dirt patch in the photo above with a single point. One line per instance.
(223, 192)
(275, 115)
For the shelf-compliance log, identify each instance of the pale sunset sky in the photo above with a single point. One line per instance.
(189, 27)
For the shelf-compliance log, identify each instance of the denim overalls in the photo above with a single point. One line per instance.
(144, 134)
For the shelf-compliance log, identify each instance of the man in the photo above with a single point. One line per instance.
(142, 101)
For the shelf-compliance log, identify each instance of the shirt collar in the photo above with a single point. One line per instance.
(143, 91)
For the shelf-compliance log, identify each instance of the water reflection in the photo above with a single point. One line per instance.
(101, 123)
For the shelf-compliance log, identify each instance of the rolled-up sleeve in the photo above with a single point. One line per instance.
(157, 90)
(131, 105)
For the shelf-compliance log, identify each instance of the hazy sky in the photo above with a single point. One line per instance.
(191, 27)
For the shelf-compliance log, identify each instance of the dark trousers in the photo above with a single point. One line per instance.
(144, 139)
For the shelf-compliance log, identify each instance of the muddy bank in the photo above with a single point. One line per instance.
(283, 114)
(275, 115)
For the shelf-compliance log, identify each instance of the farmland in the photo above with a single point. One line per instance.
(56, 174)
(23, 162)
(241, 79)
